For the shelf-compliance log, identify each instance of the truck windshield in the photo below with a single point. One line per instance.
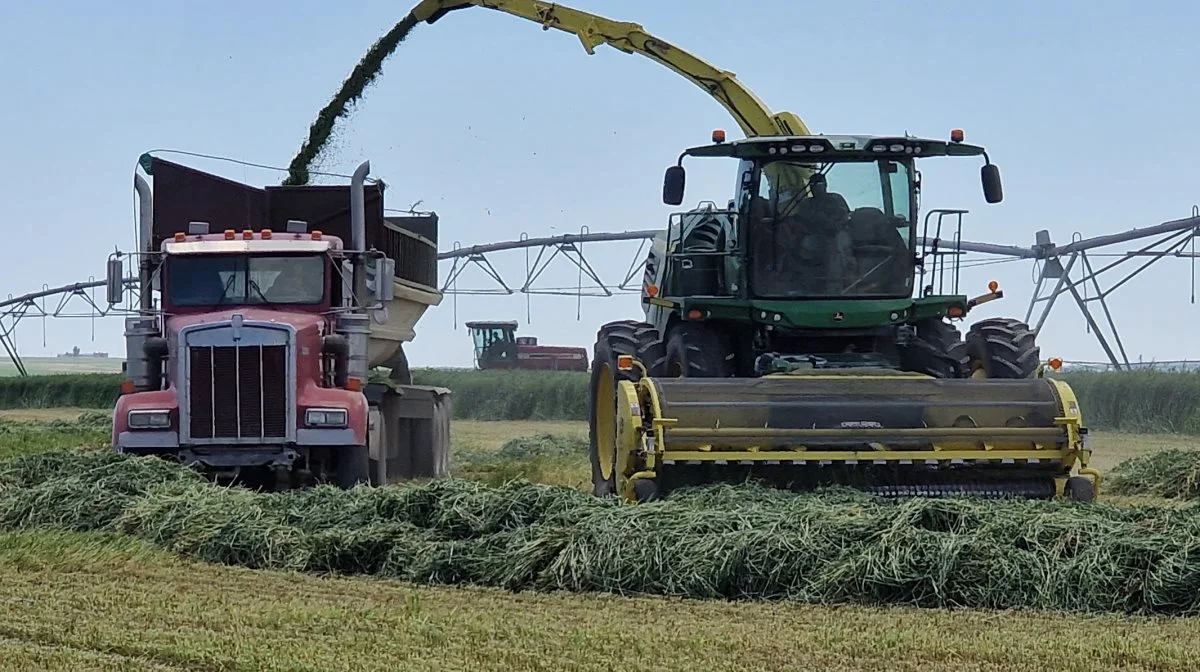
(843, 229)
(241, 280)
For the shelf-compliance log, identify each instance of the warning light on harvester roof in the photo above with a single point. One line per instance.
(718, 135)
(266, 233)
(625, 362)
(956, 135)
(1056, 363)
(316, 235)
(180, 236)
(247, 234)
(228, 234)
(993, 286)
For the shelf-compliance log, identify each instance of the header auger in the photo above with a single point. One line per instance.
(782, 342)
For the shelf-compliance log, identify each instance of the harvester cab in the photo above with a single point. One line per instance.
(786, 338)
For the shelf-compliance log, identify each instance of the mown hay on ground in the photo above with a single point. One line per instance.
(720, 542)
(1170, 474)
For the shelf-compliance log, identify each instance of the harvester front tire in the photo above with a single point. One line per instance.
(1002, 347)
(940, 352)
(612, 340)
(699, 350)
(353, 466)
(1080, 489)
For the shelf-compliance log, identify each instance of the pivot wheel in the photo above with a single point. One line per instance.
(699, 350)
(1002, 347)
(615, 339)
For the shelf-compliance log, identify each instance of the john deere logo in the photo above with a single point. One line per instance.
(839, 316)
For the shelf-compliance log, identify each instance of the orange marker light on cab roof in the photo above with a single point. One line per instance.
(718, 135)
(956, 135)
(993, 286)
(228, 234)
(1056, 363)
(180, 236)
(247, 234)
(266, 233)
(316, 235)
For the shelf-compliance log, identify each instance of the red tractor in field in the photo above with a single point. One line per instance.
(497, 346)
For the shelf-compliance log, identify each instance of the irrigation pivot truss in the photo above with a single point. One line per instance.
(1059, 270)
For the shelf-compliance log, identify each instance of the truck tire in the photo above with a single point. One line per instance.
(612, 340)
(353, 466)
(1002, 347)
(699, 350)
(430, 449)
(938, 352)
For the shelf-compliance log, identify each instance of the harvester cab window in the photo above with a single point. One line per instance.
(239, 280)
(842, 230)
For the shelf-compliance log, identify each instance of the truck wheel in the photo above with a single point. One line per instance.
(699, 350)
(1002, 347)
(430, 449)
(353, 466)
(612, 340)
(938, 352)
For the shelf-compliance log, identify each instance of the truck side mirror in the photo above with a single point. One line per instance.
(115, 280)
(993, 191)
(673, 183)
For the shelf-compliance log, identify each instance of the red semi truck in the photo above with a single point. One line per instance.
(274, 304)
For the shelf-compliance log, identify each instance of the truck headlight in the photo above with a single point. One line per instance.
(325, 417)
(153, 419)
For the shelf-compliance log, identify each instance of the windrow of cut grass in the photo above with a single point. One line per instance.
(1169, 474)
(1142, 402)
(719, 542)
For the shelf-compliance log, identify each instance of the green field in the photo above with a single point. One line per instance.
(41, 366)
(106, 568)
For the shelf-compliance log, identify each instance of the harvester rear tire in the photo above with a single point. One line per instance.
(699, 350)
(1002, 347)
(353, 466)
(612, 340)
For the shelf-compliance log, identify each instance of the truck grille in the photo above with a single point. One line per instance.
(238, 392)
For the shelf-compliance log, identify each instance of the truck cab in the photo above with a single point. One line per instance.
(249, 372)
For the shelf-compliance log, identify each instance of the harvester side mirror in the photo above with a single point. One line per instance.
(993, 191)
(673, 183)
(115, 281)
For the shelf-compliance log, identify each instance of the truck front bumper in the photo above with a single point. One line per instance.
(166, 443)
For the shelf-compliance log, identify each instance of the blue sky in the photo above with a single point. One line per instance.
(1088, 108)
